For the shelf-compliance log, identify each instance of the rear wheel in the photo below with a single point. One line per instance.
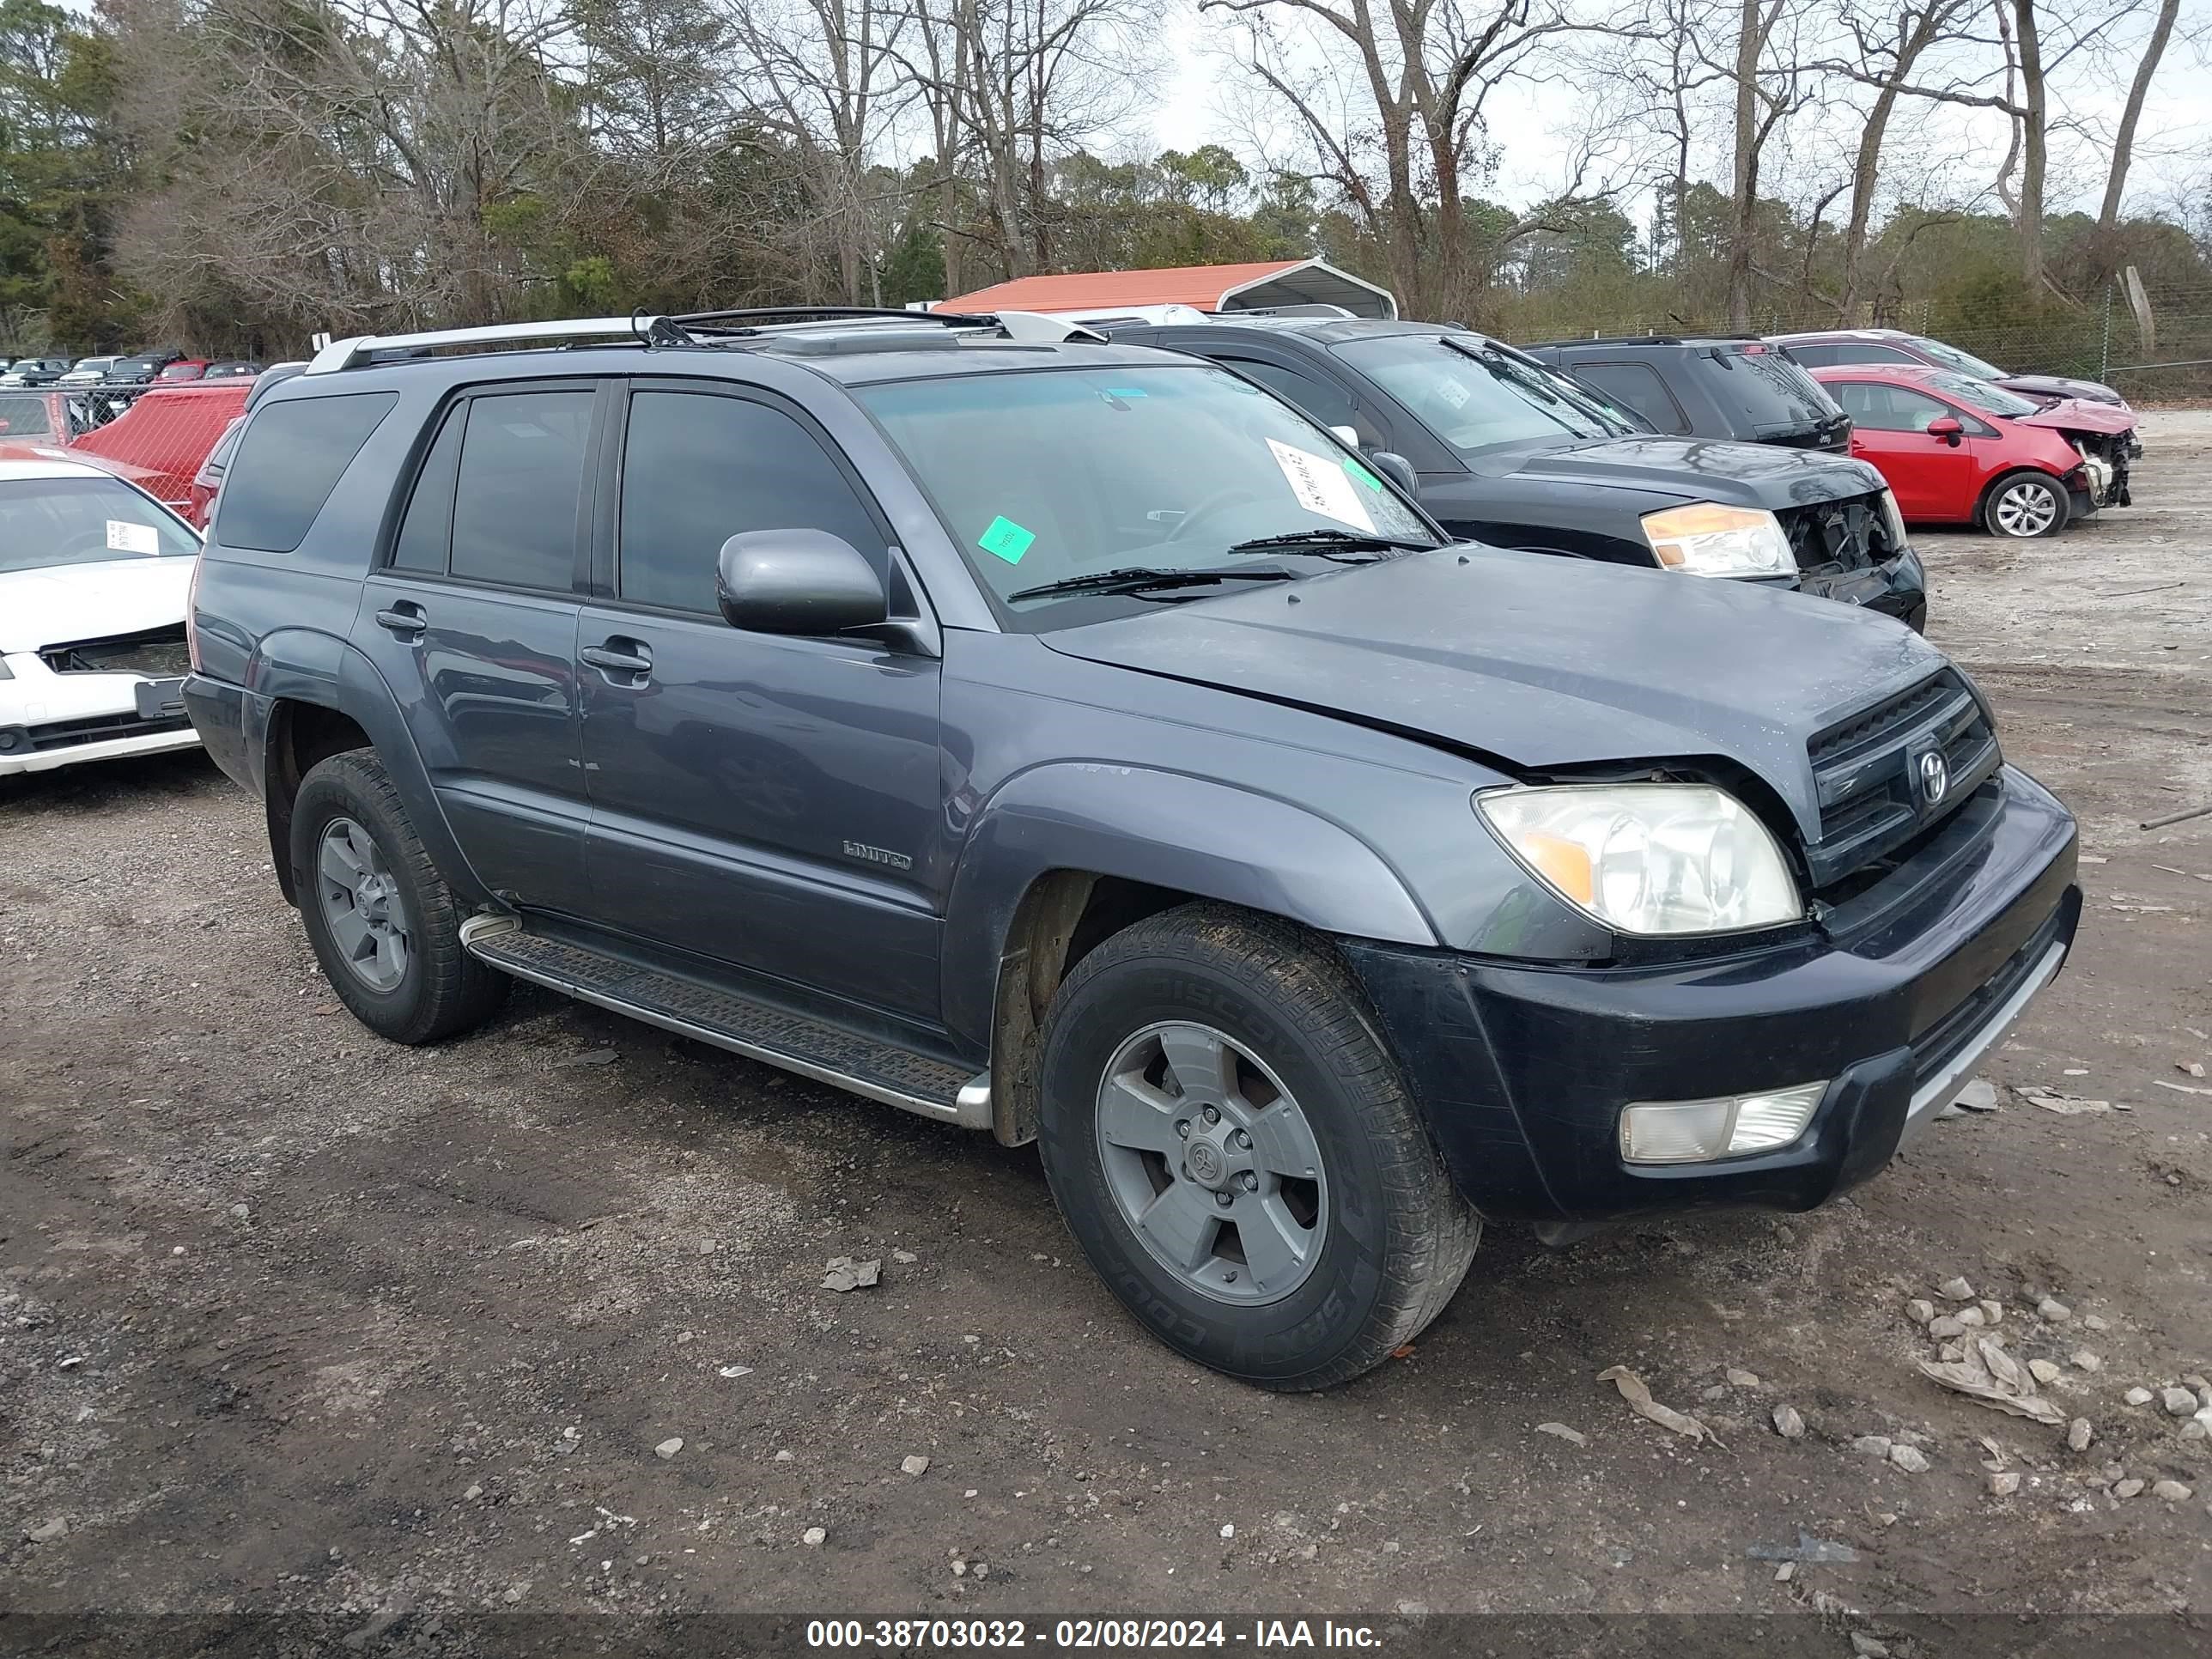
(384, 925)
(1236, 1156)
(2026, 505)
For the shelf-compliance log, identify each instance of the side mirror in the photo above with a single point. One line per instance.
(796, 582)
(1396, 468)
(1946, 428)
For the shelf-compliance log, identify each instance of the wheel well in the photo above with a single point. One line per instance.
(1063, 917)
(300, 736)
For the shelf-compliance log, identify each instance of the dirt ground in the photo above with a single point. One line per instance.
(292, 1321)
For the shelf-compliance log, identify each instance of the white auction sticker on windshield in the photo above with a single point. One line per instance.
(1321, 486)
(124, 536)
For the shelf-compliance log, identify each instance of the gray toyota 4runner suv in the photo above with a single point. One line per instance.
(1076, 742)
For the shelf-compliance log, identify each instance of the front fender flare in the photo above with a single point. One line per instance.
(1172, 830)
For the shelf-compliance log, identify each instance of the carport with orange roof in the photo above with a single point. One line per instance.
(1264, 285)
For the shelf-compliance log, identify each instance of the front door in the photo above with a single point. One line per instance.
(772, 803)
(1933, 477)
(472, 620)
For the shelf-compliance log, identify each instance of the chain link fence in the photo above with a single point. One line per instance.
(2100, 341)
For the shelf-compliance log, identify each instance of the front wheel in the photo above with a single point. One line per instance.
(1236, 1154)
(2022, 505)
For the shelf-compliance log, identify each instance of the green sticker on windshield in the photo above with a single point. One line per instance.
(1007, 540)
(1364, 476)
(1126, 392)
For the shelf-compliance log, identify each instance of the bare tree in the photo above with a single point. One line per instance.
(1390, 103)
(2123, 141)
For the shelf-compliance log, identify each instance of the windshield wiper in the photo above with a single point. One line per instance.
(1337, 541)
(1138, 579)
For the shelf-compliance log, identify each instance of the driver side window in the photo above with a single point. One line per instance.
(1875, 407)
(698, 468)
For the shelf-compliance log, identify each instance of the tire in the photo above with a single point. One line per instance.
(1386, 1237)
(2025, 507)
(426, 989)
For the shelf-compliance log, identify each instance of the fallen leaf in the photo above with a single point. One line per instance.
(1403, 1351)
(1639, 1396)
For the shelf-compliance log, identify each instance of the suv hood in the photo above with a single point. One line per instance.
(1540, 661)
(2078, 415)
(1761, 474)
(64, 603)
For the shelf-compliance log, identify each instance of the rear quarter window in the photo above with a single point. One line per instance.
(288, 462)
(1638, 387)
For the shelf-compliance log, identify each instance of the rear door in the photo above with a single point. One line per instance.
(471, 620)
(1934, 479)
(771, 803)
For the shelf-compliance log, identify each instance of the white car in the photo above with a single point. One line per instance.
(94, 578)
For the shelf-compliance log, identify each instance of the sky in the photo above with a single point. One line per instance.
(2173, 148)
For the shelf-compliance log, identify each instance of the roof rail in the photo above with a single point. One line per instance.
(645, 330)
(344, 354)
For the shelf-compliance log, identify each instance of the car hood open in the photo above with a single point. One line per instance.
(1693, 468)
(60, 603)
(2078, 415)
(1538, 661)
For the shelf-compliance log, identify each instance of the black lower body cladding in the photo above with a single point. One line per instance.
(1522, 1071)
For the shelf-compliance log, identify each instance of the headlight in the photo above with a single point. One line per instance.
(1647, 858)
(1892, 520)
(1707, 539)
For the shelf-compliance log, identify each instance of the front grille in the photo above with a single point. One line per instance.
(99, 728)
(1831, 536)
(156, 653)
(1867, 771)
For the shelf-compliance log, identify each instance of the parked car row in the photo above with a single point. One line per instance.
(124, 371)
(1958, 440)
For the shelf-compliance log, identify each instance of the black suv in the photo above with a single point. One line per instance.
(1506, 450)
(1736, 387)
(1075, 742)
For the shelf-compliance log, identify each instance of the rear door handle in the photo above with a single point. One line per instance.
(619, 656)
(403, 618)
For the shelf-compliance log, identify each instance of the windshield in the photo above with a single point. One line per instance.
(1965, 362)
(1991, 399)
(50, 521)
(1474, 396)
(1055, 474)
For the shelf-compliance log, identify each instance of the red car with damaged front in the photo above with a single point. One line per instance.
(1956, 450)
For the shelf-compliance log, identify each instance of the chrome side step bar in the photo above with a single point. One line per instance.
(864, 1066)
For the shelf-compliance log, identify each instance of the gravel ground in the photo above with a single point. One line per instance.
(293, 1321)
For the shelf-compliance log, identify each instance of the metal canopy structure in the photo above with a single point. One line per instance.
(1264, 286)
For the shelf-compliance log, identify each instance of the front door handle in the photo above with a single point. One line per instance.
(405, 618)
(619, 656)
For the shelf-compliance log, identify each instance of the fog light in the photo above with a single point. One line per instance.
(1728, 1125)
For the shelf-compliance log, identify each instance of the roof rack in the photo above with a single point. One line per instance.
(1640, 339)
(651, 330)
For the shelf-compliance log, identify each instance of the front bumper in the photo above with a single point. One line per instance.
(1522, 1071)
(49, 719)
(1899, 588)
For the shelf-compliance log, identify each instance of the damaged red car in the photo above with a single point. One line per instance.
(1956, 450)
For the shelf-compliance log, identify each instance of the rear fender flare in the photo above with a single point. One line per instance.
(1169, 829)
(302, 665)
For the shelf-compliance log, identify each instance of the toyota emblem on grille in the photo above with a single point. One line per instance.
(1935, 777)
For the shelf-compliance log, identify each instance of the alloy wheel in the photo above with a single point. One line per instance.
(360, 899)
(2025, 509)
(1212, 1163)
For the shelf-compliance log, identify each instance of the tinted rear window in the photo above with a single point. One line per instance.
(290, 460)
(24, 417)
(1769, 390)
